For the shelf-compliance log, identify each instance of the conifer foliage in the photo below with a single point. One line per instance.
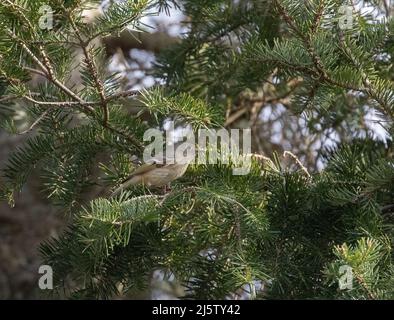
(281, 231)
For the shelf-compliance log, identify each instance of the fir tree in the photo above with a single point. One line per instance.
(284, 230)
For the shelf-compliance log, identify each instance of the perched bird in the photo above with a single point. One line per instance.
(153, 175)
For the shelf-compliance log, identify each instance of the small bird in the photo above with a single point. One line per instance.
(153, 175)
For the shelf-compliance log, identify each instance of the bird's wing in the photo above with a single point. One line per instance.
(144, 168)
(137, 172)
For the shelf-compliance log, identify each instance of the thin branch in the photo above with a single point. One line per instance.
(92, 68)
(60, 104)
(292, 155)
(236, 115)
(363, 283)
(35, 71)
(36, 122)
(127, 136)
(87, 105)
(123, 94)
(318, 17)
(47, 63)
(46, 42)
(366, 82)
(44, 68)
(20, 12)
(25, 47)
(48, 72)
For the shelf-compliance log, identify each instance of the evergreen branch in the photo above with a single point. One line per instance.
(318, 16)
(196, 111)
(387, 8)
(285, 64)
(365, 80)
(19, 12)
(360, 279)
(10, 80)
(27, 50)
(324, 76)
(118, 17)
(45, 68)
(23, 160)
(289, 20)
(89, 60)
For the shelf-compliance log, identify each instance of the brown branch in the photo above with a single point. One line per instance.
(47, 63)
(235, 116)
(86, 105)
(317, 17)
(47, 71)
(36, 122)
(387, 9)
(35, 71)
(44, 68)
(305, 170)
(293, 85)
(362, 282)
(92, 67)
(123, 94)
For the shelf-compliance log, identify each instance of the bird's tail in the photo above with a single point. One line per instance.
(127, 183)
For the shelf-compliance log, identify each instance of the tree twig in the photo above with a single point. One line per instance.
(50, 77)
(59, 104)
(92, 68)
(36, 122)
(292, 155)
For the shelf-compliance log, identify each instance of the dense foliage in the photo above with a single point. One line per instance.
(283, 230)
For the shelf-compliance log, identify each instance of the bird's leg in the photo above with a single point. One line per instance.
(167, 188)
